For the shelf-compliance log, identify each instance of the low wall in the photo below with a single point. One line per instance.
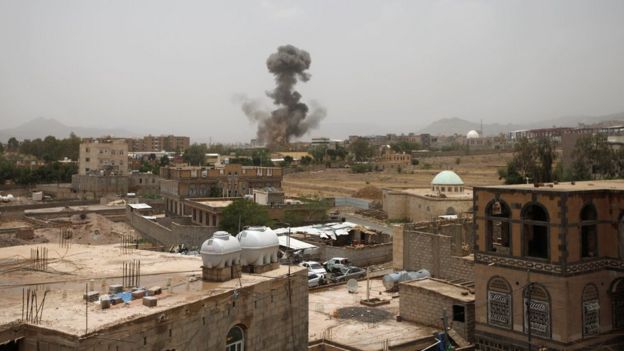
(192, 236)
(359, 256)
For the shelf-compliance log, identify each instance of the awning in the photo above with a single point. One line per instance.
(140, 206)
(294, 243)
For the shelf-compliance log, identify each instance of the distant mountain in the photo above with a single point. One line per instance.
(449, 126)
(42, 127)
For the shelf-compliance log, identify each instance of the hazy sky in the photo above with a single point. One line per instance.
(377, 66)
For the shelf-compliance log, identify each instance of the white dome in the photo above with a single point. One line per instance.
(447, 178)
(473, 134)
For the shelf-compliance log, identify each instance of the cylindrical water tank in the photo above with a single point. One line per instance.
(259, 246)
(222, 250)
(390, 281)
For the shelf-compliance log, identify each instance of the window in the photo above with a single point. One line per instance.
(498, 227)
(535, 231)
(499, 302)
(459, 313)
(589, 238)
(235, 340)
(617, 298)
(87, 159)
(591, 310)
(537, 310)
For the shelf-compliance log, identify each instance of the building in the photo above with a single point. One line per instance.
(549, 266)
(447, 196)
(394, 159)
(149, 143)
(103, 157)
(185, 306)
(268, 197)
(232, 180)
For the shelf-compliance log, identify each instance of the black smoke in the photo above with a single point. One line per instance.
(292, 118)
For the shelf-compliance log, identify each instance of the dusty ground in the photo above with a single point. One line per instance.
(94, 229)
(474, 170)
(323, 312)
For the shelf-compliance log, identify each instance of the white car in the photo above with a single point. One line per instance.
(314, 267)
(313, 280)
(329, 265)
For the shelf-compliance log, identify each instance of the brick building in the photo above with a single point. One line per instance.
(151, 143)
(233, 180)
(103, 157)
(183, 312)
(552, 255)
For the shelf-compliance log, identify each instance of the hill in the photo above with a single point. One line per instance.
(42, 127)
(449, 126)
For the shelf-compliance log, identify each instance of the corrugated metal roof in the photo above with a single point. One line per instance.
(140, 206)
(294, 243)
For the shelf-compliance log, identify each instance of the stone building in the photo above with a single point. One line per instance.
(149, 143)
(233, 180)
(549, 266)
(267, 311)
(394, 159)
(103, 157)
(447, 196)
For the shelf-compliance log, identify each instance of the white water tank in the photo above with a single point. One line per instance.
(259, 245)
(222, 250)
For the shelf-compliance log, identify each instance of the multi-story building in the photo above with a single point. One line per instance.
(151, 143)
(103, 157)
(549, 266)
(232, 180)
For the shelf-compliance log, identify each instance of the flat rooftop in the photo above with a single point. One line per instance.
(324, 321)
(616, 184)
(428, 193)
(216, 203)
(443, 288)
(71, 269)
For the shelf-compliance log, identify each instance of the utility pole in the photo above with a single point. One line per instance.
(528, 308)
(447, 343)
(367, 284)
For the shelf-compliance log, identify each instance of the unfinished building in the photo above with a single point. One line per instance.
(120, 299)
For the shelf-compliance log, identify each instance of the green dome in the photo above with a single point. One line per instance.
(447, 178)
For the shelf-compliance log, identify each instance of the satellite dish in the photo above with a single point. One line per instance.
(352, 286)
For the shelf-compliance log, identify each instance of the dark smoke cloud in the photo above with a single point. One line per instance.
(292, 118)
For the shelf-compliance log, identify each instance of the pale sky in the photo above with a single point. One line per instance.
(377, 66)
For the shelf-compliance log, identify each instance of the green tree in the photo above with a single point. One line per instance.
(594, 158)
(243, 213)
(195, 155)
(306, 160)
(405, 146)
(288, 160)
(164, 161)
(361, 150)
(531, 159)
(318, 153)
(1, 148)
(12, 144)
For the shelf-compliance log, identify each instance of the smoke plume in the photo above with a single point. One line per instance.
(292, 118)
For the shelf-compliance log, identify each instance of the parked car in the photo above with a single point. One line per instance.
(313, 280)
(314, 267)
(343, 273)
(329, 265)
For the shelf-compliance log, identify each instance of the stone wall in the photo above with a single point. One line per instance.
(401, 205)
(271, 317)
(94, 186)
(427, 307)
(359, 256)
(192, 236)
(434, 252)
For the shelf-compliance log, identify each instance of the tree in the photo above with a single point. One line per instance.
(243, 213)
(195, 155)
(318, 153)
(1, 148)
(12, 145)
(305, 160)
(593, 157)
(288, 160)
(404, 146)
(164, 161)
(361, 150)
(531, 159)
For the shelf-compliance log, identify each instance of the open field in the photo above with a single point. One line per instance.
(474, 170)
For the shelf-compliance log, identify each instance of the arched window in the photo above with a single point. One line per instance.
(617, 303)
(235, 340)
(591, 310)
(535, 231)
(498, 227)
(499, 302)
(537, 310)
(589, 236)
